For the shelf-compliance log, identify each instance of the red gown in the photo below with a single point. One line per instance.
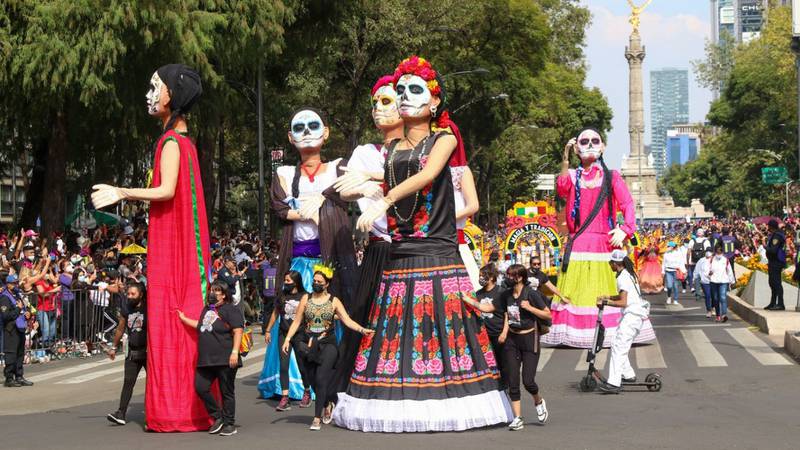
(177, 278)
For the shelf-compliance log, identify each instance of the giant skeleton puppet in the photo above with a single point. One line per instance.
(363, 182)
(594, 195)
(177, 256)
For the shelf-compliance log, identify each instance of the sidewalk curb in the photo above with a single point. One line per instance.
(747, 312)
(791, 344)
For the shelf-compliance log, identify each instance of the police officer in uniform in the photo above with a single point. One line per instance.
(776, 262)
(14, 318)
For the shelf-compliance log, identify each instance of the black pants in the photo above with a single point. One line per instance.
(521, 349)
(204, 377)
(67, 319)
(286, 358)
(320, 373)
(498, 349)
(14, 348)
(132, 369)
(776, 285)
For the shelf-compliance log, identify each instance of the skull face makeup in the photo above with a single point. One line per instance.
(414, 95)
(154, 95)
(590, 146)
(308, 130)
(385, 112)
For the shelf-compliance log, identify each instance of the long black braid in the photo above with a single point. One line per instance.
(609, 191)
(627, 264)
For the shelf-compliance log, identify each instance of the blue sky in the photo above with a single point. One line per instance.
(673, 33)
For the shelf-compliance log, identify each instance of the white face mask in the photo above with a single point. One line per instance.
(384, 107)
(590, 146)
(307, 131)
(154, 95)
(413, 94)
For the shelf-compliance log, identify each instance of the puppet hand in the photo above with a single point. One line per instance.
(105, 195)
(309, 207)
(617, 237)
(371, 189)
(351, 180)
(373, 213)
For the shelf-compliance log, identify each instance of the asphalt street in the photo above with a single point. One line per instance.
(725, 386)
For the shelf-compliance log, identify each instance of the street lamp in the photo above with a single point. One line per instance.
(502, 96)
(796, 48)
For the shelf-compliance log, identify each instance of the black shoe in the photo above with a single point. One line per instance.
(228, 430)
(216, 427)
(609, 388)
(779, 308)
(11, 383)
(769, 307)
(629, 380)
(23, 382)
(116, 417)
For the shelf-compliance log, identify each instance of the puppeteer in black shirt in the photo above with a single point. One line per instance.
(214, 334)
(520, 319)
(492, 321)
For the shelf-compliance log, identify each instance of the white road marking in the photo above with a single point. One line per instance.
(90, 376)
(142, 376)
(599, 360)
(760, 350)
(703, 351)
(78, 368)
(699, 325)
(544, 356)
(649, 356)
(253, 363)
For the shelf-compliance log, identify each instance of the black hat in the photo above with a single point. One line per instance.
(772, 223)
(184, 86)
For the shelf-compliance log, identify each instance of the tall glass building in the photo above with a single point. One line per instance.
(669, 105)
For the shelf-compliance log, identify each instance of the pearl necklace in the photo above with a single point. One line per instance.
(393, 178)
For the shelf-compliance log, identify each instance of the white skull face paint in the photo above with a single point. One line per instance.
(384, 107)
(413, 94)
(307, 131)
(590, 146)
(154, 95)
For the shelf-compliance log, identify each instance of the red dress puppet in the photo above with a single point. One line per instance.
(177, 273)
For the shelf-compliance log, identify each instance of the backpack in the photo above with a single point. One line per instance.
(698, 250)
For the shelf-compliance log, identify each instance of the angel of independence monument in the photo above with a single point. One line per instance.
(638, 173)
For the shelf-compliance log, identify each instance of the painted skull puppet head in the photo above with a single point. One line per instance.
(307, 130)
(174, 88)
(385, 111)
(417, 87)
(157, 96)
(590, 146)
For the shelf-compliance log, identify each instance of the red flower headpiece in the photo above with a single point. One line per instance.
(421, 68)
(385, 80)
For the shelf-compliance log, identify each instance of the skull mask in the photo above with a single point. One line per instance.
(414, 95)
(590, 146)
(308, 130)
(384, 107)
(154, 95)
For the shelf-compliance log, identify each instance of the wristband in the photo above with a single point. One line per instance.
(234, 352)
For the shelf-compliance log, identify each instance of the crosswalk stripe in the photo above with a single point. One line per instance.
(703, 351)
(89, 376)
(760, 350)
(649, 356)
(142, 376)
(599, 360)
(78, 368)
(544, 356)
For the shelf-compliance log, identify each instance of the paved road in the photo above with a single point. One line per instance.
(724, 386)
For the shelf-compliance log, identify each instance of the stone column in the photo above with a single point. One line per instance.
(635, 53)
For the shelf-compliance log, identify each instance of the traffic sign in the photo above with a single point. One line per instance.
(774, 175)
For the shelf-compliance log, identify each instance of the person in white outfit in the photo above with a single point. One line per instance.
(701, 270)
(721, 276)
(635, 311)
(674, 261)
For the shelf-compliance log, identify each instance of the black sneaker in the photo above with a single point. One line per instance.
(629, 380)
(779, 308)
(23, 382)
(10, 382)
(117, 418)
(228, 430)
(216, 427)
(608, 388)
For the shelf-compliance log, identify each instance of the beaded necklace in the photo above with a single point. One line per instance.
(393, 179)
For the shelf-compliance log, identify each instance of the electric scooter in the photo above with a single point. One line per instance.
(589, 382)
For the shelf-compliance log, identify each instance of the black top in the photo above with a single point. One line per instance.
(492, 321)
(136, 325)
(286, 306)
(215, 338)
(518, 318)
(776, 253)
(540, 276)
(429, 229)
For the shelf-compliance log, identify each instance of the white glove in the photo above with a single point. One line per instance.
(351, 180)
(105, 195)
(309, 207)
(371, 189)
(617, 237)
(373, 213)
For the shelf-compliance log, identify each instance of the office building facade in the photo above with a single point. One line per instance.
(669, 105)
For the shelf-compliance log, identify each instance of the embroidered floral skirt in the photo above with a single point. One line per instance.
(429, 366)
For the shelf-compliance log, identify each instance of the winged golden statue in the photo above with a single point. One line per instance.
(636, 11)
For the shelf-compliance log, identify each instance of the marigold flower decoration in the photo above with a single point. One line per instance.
(386, 80)
(325, 269)
(420, 67)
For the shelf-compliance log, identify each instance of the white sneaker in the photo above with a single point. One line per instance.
(541, 411)
(669, 301)
(684, 291)
(516, 424)
(676, 303)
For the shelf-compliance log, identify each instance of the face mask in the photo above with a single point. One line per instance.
(590, 146)
(509, 283)
(318, 288)
(536, 270)
(154, 95)
(288, 288)
(482, 281)
(307, 130)
(133, 302)
(31, 258)
(75, 260)
(82, 279)
(384, 107)
(413, 94)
